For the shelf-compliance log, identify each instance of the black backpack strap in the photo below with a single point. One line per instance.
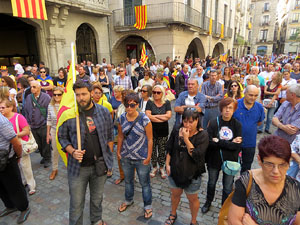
(133, 124)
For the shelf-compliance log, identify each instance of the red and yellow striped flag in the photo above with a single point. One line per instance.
(210, 26)
(140, 17)
(34, 9)
(222, 31)
(144, 56)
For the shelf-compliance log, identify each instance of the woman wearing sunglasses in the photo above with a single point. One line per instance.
(51, 127)
(234, 91)
(185, 162)
(159, 112)
(134, 150)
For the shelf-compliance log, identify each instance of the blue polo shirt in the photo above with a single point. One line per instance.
(249, 120)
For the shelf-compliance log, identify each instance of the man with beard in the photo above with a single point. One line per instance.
(96, 130)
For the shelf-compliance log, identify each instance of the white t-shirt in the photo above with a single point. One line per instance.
(19, 69)
(267, 75)
(143, 82)
(190, 100)
(284, 82)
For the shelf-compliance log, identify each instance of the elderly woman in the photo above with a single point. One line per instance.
(274, 197)
(146, 93)
(271, 92)
(135, 155)
(51, 127)
(159, 112)
(225, 138)
(185, 162)
(234, 91)
(95, 75)
(116, 100)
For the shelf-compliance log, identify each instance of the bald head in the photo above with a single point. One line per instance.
(251, 88)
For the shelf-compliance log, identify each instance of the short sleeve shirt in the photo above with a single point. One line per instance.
(22, 123)
(6, 134)
(135, 146)
(249, 120)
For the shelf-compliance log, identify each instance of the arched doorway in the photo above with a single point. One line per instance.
(86, 44)
(18, 41)
(218, 50)
(195, 49)
(131, 47)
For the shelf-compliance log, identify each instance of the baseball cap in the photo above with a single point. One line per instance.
(3, 68)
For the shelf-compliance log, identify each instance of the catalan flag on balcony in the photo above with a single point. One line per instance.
(222, 31)
(144, 56)
(210, 26)
(140, 17)
(34, 9)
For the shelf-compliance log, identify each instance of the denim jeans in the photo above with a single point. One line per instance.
(210, 114)
(270, 115)
(247, 158)
(143, 172)
(213, 175)
(77, 190)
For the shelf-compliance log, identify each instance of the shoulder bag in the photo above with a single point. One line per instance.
(42, 109)
(134, 122)
(27, 146)
(4, 158)
(100, 166)
(223, 215)
(229, 167)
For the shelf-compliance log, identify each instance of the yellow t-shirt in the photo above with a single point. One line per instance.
(106, 104)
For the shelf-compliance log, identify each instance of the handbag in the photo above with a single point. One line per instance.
(4, 158)
(229, 167)
(100, 166)
(27, 146)
(223, 214)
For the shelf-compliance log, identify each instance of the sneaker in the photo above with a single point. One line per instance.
(7, 211)
(23, 216)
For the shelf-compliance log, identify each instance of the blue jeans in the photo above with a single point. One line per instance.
(143, 172)
(247, 158)
(210, 114)
(77, 190)
(270, 115)
(213, 175)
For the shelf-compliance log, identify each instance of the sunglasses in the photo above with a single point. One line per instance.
(121, 70)
(132, 105)
(57, 94)
(234, 85)
(42, 71)
(156, 92)
(144, 91)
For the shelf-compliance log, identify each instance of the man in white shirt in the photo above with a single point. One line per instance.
(267, 75)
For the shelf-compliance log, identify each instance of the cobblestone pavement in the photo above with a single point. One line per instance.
(50, 204)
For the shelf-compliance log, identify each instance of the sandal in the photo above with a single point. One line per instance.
(171, 219)
(163, 173)
(194, 223)
(148, 213)
(102, 223)
(124, 206)
(32, 192)
(109, 173)
(119, 181)
(153, 172)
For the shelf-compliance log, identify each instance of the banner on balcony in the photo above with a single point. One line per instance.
(34, 9)
(210, 26)
(140, 17)
(222, 31)
(144, 56)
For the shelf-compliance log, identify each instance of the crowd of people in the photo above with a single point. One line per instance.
(219, 106)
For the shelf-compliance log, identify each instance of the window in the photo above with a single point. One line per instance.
(295, 17)
(262, 50)
(263, 35)
(293, 31)
(297, 3)
(266, 19)
(267, 6)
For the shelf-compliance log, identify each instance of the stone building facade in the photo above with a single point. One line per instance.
(265, 27)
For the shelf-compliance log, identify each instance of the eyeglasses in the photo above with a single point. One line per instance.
(57, 94)
(156, 92)
(132, 105)
(144, 91)
(121, 70)
(234, 85)
(270, 166)
(42, 71)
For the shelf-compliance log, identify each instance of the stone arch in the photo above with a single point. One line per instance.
(130, 46)
(196, 49)
(218, 50)
(86, 43)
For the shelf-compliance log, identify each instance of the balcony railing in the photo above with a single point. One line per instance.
(171, 12)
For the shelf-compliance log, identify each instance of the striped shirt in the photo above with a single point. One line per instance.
(52, 115)
(214, 91)
(6, 134)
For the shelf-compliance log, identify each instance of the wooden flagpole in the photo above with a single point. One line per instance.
(76, 110)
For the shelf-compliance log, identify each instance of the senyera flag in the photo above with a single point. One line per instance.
(35, 9)
(67, 108)
(140, 17)
(144, 56)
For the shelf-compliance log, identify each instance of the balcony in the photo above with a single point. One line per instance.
(294, 21)
(265, 23)
(160, 15)
(265, 10)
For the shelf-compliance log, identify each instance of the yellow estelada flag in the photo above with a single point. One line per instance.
(68, 106)
(210, 26)
(140, 17)
(222, 31)
(34, 9)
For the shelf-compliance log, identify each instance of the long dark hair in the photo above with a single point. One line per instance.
(192, 113)
(229, 92)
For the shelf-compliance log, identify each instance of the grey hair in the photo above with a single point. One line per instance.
(36, 82)
(255, 67)
(193, 79)
(250, 87)
(295, 88)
